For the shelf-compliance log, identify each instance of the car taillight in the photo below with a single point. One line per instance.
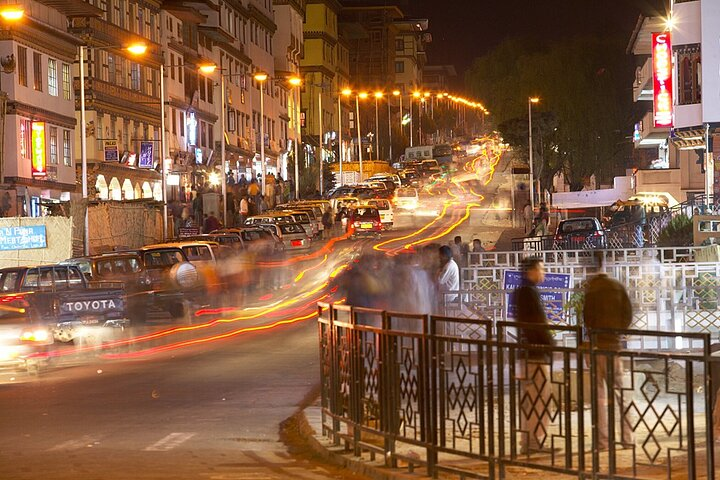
(296, 243)
(357, 224)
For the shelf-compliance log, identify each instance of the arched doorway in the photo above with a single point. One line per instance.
(115, 190)
(101, 187)
(128, 190)
(138, 191)
(146, 190)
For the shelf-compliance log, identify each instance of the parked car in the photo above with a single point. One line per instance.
(258, 240)
(387, 176)
(64, 300)
(580, 233)
(364, 220)
(386, 211)
(294, 237)
(174, 279)
(228, 239)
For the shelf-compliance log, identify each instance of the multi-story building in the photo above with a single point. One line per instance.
(410, 56)
(679, 159)
(438, 78)
(288, 49)
(37, 157)
(122, 99)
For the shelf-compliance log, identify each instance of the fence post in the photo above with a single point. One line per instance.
(356, 376)
(429, 381)
(500, 338)
(709, 424)
(389, 393)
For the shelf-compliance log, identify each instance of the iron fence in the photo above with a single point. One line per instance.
(410, 390)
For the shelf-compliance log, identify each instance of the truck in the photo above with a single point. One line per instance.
(62, 300)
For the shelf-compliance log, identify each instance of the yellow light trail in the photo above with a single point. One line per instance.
(448, 230)
(379, 246)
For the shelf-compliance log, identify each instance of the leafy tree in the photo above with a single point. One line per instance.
(582, 83)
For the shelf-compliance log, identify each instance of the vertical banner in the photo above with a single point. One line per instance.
(39, 164)
(662, 80)
(146, 155)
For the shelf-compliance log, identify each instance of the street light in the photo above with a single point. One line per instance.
(396, 93)
(358, 97)
(296, 82)
(261, 78)
(378, 96)
(135, 49)
(344, 92)
(10, 14)
(531, 100)
(415, 95)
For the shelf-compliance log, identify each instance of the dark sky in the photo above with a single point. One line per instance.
(465, 29)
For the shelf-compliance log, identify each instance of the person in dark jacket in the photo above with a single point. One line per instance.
(534, 368)
(607, 306)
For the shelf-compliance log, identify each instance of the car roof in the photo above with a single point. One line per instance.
(179, 245)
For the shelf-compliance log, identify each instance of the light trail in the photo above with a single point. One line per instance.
(379, 246)
(445, 232)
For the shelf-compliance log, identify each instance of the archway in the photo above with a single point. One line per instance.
(146, 190)
(115, 190)
(101, 187)
(138, 191)
(128, 190)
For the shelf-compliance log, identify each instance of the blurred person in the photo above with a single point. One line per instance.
(254, 191)
(528, 217)
(211, 223)
(244, 209)
(534, 371)
(448, 278)
(270, 192)
(541, 222)
(477, 246)
(460, 251)
(607, 306)
(262, 205)
(413, 288)
(327, 222)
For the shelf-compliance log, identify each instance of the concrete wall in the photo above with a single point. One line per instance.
(59, 242)
(123, 225)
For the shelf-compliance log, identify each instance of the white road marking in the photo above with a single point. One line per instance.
(84, 441)
(169, 442)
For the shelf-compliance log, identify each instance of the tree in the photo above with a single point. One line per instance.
(582, 83)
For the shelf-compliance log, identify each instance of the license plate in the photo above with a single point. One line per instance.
(366, 225)
(89, 320)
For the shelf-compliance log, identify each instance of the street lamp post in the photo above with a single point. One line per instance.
(531, 100)
(261, 78)
(340, 135)
(135, 49)
(320, 140)
(296, 82)
(360, 95)
(415, 95)
(398, 94)
(378, 96)
(390, 146)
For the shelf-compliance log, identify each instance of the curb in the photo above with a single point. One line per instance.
(336, 455)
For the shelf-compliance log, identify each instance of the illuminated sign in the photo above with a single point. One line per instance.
(38, 150)
(21, 238)
(112, 152)
(191, 128)
(146, 155)
(662, 80)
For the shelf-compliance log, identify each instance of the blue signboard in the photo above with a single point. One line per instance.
(146, 155)
(554, 300)
(20, 238)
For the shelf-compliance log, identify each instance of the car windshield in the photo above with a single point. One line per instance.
(163, 258)
(381, 204)
(110, 266)
(407, 192)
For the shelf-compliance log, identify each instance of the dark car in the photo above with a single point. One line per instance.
(64, 300)
(364, 220)
(258, 240)
(580, 234)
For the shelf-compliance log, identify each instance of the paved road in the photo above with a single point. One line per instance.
(204, 414)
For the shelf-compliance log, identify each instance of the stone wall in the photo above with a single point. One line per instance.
(59, 242)
(116, 225)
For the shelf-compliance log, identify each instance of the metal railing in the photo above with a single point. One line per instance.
(410, 390)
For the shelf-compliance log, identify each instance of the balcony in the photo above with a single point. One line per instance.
(100, 32)
(643, 86)
(107, 94)
(646, 135)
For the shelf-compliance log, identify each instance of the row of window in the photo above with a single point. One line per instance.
(131, 16)
(58, 74)
(57, 139)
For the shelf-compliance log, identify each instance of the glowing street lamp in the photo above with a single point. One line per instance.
(531, 100)
(12, 13)
(261, 78)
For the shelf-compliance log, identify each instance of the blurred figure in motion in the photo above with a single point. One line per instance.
(327, 221)
(243, 210)
(211, 223)
(607, 305)
(448, 279)
(413, 287)
(534, 369)
(368, 283)
(528, 217)
(459, 251)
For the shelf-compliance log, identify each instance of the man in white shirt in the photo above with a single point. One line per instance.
(449, 277)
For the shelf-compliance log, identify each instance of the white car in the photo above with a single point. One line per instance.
(407, 198)
(386, 211)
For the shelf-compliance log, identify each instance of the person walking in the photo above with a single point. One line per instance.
(244, 209)
(327, 221)
(607, 306)
(254, 191)
(211, 223)
(448, 280)
(534, 371)
(528, 217)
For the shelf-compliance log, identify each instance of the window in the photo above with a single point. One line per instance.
(37, 71)
(52, 77)
(689, 75)
(53, 145)
(400, 67)
(22, 66)
(399, 44)
(66, 85)
(67, 158)
(174, 120)
(135, 76)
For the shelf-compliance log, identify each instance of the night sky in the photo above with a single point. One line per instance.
(465, 29)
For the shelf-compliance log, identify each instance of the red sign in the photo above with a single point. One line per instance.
(662, 80)
(39, 166)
